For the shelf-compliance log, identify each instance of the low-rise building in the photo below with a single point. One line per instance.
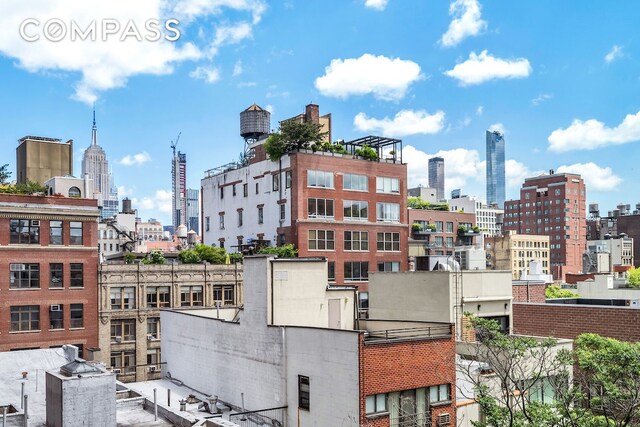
(439, 231)
(130, 300)
(295, 346)
(488, 218)
(515, 252)
(608, 255)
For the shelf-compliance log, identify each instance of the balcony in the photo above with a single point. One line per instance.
(418, 333)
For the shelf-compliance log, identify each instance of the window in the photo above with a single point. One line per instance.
(77, 280)
(439, 226)
(389, 266)
(260, 215)
(24, 231)
(275, 180)
(356, 270)
(55, 232)
(388, 212)
(75, 233)
(153, 359)
(123, 298)
(388, 242)
(153, 327)
(321, 240)
(25, 318)
(439, 393)
(320, 179)
(190, 296)
(74, 192)
(223, 295)
(233, 190)
(320, 208)
(245, 190)
(124, 361)
(77, 316)
(356, 210)
(331, 271)
(123, 330)
(303, 392)
(387, 185)
(55, 275)
(158, 296)
(376, 403)
(355, 182)
(221, 218)
(24, 276)
(207, 223)
(240, 218)
(283, 212)
(56, 316)
(287, 179)
(449, 242)
(356, 241)
(449, 227)
(257, 187)
(221, 192)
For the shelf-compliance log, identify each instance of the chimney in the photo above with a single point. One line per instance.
(312, 114)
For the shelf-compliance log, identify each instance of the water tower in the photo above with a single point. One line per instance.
(255, 124)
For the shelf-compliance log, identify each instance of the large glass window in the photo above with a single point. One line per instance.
(320, 179)
(25, 231)
(356, 210)
(356, 270)
(158, 296)
(123, 330)
(440, 393)
(153, 328)
(356, 241)
(25, 318)
(389, 266)
(55, 232)
(77, 277)
(24, 276)
(56, 274)
(321, 240)
(356, 182)
(388, 212)
(320, 208)
(376, 403)
(387, 185)
(56, 316)
(77, 315)
(124, 362)
(388, 242)
(191, 296)
(75, 233)
(223, 295)
(123, 298)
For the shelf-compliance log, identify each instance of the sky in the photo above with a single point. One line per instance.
(560, 79)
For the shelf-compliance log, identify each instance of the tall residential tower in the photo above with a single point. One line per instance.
(495, 168)
(436, 176)
(179, 188)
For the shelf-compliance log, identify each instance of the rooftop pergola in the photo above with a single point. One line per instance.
(378, 143)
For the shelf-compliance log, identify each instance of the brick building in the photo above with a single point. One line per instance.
(131, 297)
(439, 233)
(340, 206)
(621, 222)
(552, 205)
(514, 252)
(48, 272)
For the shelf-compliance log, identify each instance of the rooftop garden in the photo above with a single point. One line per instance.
(28, 187)
(419, 203)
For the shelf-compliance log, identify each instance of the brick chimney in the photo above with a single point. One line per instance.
(312, 114)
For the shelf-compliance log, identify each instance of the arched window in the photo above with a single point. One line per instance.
(74, 192)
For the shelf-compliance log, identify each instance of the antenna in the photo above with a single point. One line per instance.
(175, 144)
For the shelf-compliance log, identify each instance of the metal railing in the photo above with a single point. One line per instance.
(411, 420)
(264, 417)
(438, 331)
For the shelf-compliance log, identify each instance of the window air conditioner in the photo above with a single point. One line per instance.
(151, 337)
(17, 267)
(444, 419)
(115, 371)
(35, 223)
(56, 307)
(152, 368)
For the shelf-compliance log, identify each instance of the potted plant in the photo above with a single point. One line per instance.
(416, 227)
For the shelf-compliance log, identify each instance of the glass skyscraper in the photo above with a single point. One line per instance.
(436, 176)
(495, 169)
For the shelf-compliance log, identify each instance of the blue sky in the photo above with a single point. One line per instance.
(562, 79)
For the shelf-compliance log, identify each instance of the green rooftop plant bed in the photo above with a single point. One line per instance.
(419, 203)
(555, 291)
(465, 230)
(367, 153)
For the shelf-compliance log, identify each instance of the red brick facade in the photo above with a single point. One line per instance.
(569, 321)
(443, 240)
(528, 292)
(43, 210)
(397, 366)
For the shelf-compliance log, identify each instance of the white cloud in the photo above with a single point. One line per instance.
(405, 122)
(376, 4)
(484, 67)
(135, 159)
(498, 127)
(124, 191)
(614, 53)
(230, 34)
(479, 110)
(385, 78)
(104, 65)
(596, 178)
(541, 98)
(159, 202)
(516, 172)
(237, 68)
(467, 22)
(592, 134)
(269, 108)
(208, 74)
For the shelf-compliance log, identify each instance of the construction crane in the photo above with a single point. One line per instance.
(175, 144)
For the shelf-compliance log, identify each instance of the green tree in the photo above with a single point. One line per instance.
(189, 256)
(4, 174)
(155, 257)
(555, 291)
(294, 135)
(367, 153)
(129, 258)
(285, 251)
(633, 277)
(210, 254)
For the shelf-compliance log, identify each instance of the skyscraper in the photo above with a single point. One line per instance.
(193, 210)
(436, 176)
(179, 189)
(96, 165)
(495, 168)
